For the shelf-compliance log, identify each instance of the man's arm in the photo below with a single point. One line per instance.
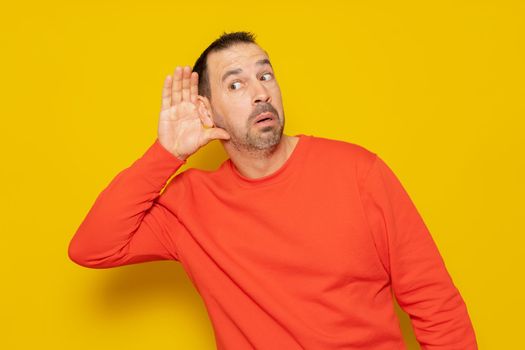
(126, 224)
(420, 280)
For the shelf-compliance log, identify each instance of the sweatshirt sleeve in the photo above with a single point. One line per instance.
(419, 278)
(126, 224)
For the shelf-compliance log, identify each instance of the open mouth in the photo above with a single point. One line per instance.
(264, 117)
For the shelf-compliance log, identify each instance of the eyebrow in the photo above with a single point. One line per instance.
(260, 62)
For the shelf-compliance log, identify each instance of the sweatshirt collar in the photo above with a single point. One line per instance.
(280, 174)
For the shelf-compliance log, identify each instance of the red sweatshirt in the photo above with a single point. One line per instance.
(308, 257)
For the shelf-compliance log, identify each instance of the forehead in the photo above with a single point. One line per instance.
(241, 55)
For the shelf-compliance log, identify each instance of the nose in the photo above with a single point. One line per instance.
(260, 94)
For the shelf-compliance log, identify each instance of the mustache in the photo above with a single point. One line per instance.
(261, 108)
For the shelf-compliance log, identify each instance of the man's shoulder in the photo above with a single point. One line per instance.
(337, 150)
(341, 157)
(192, 177)
(198, 174)
(338, 160)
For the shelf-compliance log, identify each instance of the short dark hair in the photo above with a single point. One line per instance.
(225, 41)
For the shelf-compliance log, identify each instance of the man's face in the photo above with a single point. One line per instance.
(243, 92)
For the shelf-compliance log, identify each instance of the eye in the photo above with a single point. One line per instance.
(235, 85)
(266, 76)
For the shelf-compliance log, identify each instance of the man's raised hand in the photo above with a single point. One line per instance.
(183, 126)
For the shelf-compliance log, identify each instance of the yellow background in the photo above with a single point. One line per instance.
(435, 88)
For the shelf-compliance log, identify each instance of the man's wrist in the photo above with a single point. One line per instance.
(181, 157)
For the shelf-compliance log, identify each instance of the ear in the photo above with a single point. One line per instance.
(205, 112)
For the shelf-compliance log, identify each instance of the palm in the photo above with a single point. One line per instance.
(181, 126)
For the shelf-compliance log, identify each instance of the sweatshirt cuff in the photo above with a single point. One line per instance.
(159, 153)
(156, 165)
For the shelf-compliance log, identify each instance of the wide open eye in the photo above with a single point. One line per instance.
(235, 85)
(266, 76)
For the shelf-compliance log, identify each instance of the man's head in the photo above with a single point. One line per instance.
(238, 88)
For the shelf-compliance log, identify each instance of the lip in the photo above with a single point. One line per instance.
(264, 115)
(266, 122)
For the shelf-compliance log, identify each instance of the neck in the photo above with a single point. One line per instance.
(258, 164)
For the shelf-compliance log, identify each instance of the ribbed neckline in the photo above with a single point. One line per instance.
(278, 175)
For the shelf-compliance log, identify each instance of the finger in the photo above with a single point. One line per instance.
(166, 93)
(186, 83)
(176, 88)
(194, 86)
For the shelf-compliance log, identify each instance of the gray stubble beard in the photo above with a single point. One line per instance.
(258, 143)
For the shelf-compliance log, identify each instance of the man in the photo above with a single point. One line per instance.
(294, 242)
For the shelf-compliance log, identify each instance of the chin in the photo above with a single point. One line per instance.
(268, 138)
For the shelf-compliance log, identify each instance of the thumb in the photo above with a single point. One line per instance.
(216, 133)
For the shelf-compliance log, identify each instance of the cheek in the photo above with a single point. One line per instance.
(234, 109)
(278, 89)
(238, 109)
(276, 93)
(218, 120)
(217, 115)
